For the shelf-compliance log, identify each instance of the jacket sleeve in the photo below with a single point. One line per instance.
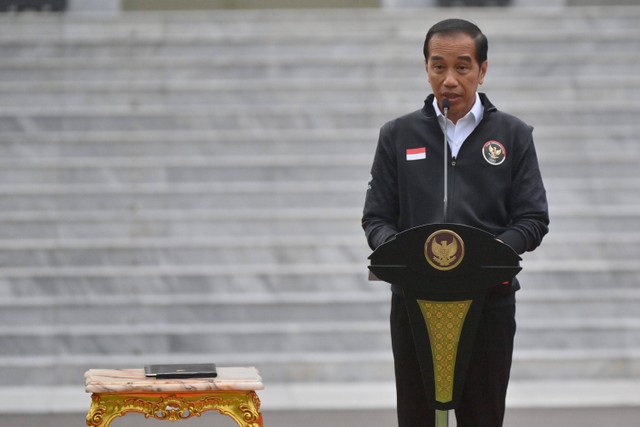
(381, 207)
(528, 201)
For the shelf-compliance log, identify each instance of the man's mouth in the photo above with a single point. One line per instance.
(452, 97)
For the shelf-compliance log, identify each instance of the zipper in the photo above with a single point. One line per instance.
(451, 186)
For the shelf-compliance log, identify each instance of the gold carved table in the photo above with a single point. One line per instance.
(116, 392)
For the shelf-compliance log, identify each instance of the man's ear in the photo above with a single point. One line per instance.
(483, 71)
(426, 68)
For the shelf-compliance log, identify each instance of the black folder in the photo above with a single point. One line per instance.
(181, 370)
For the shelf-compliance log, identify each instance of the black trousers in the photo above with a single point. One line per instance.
(485, 389)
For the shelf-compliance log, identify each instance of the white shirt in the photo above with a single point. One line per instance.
(458, 133)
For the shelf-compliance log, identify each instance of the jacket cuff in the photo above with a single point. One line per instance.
(515, 239)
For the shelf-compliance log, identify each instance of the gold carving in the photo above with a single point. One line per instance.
(444, 320)
(242, 406)
(444, 253)
(444, 250)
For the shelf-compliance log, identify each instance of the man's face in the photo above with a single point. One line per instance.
(454, 72)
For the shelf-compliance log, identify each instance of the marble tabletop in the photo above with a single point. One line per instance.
(134, 381)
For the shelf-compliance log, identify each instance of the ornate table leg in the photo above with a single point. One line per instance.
(242, 406)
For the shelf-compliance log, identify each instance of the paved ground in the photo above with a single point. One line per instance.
(556, 417)
(530, 404)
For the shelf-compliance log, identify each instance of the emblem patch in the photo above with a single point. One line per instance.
(494, 152)
(444, 250)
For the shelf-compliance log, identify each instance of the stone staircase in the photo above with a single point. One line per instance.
(188, 187)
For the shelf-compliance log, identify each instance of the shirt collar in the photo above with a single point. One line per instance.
(476, 111)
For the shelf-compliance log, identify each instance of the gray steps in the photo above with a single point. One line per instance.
(614, 302)
(203, 338)
(506, 20)
(277, 278)
(276, 367)
(290, 367)
(608, 112)
(56, 73)
(325, 336)
(323, 365)
(189, 187)
(266, 222)
(581, 142)
(63, 197)
(17, 98)
(108, 175)
(304, 248)
(68, 252)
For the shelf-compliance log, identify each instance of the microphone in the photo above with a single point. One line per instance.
(446, 104)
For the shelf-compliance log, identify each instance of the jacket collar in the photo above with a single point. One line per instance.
(430, 113)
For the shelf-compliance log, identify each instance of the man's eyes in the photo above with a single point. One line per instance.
(460, 68)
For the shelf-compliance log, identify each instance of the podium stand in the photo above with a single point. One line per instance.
(444, 271)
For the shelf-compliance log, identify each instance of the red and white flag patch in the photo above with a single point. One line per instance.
(416, 153)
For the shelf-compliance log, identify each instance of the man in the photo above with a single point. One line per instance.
(494, 184)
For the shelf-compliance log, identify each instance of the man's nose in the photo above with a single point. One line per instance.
(450, 79)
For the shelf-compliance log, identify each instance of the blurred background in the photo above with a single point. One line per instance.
(183, 180)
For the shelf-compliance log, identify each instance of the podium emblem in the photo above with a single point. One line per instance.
(444, 250)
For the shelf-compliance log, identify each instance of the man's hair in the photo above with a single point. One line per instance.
(456, 26)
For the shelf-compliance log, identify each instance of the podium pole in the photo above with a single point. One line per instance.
(442, 418)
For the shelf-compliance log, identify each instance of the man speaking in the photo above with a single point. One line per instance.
(493, 183)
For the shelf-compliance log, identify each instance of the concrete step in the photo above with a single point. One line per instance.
(19, 96)
(574, 274)
(581, 141)
(584, 402)
(324, 336)
(306, 116)
(294, 368)
(577, 302)
(321, 24)
(176, 23)
(195, 197)
(126, 310)
(408, 66)
(181, 251)
(108, 73)
(551, 143)
(371, 348)
(585, 244)
(288, 367)
(183, 223)
(115, 172)
(307, 248)
(197, 338)
(217, 41)
(267, 222)
(206, 195)
(578, 364)
(160, 134)
(363, 305)
(538, 107)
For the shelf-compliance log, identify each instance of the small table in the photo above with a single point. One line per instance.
(116, 392)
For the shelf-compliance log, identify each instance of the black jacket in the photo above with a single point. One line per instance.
(494, 182)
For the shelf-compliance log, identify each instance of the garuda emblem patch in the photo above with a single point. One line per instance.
(444, 250)
(494, 152)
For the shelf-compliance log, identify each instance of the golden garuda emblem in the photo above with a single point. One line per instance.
(494, 152)
(444, 250)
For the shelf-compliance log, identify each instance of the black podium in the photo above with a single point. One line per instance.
(444, 271)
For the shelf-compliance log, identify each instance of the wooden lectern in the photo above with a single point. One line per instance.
(444, 271)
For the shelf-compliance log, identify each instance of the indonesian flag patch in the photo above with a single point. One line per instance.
(416, 153)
